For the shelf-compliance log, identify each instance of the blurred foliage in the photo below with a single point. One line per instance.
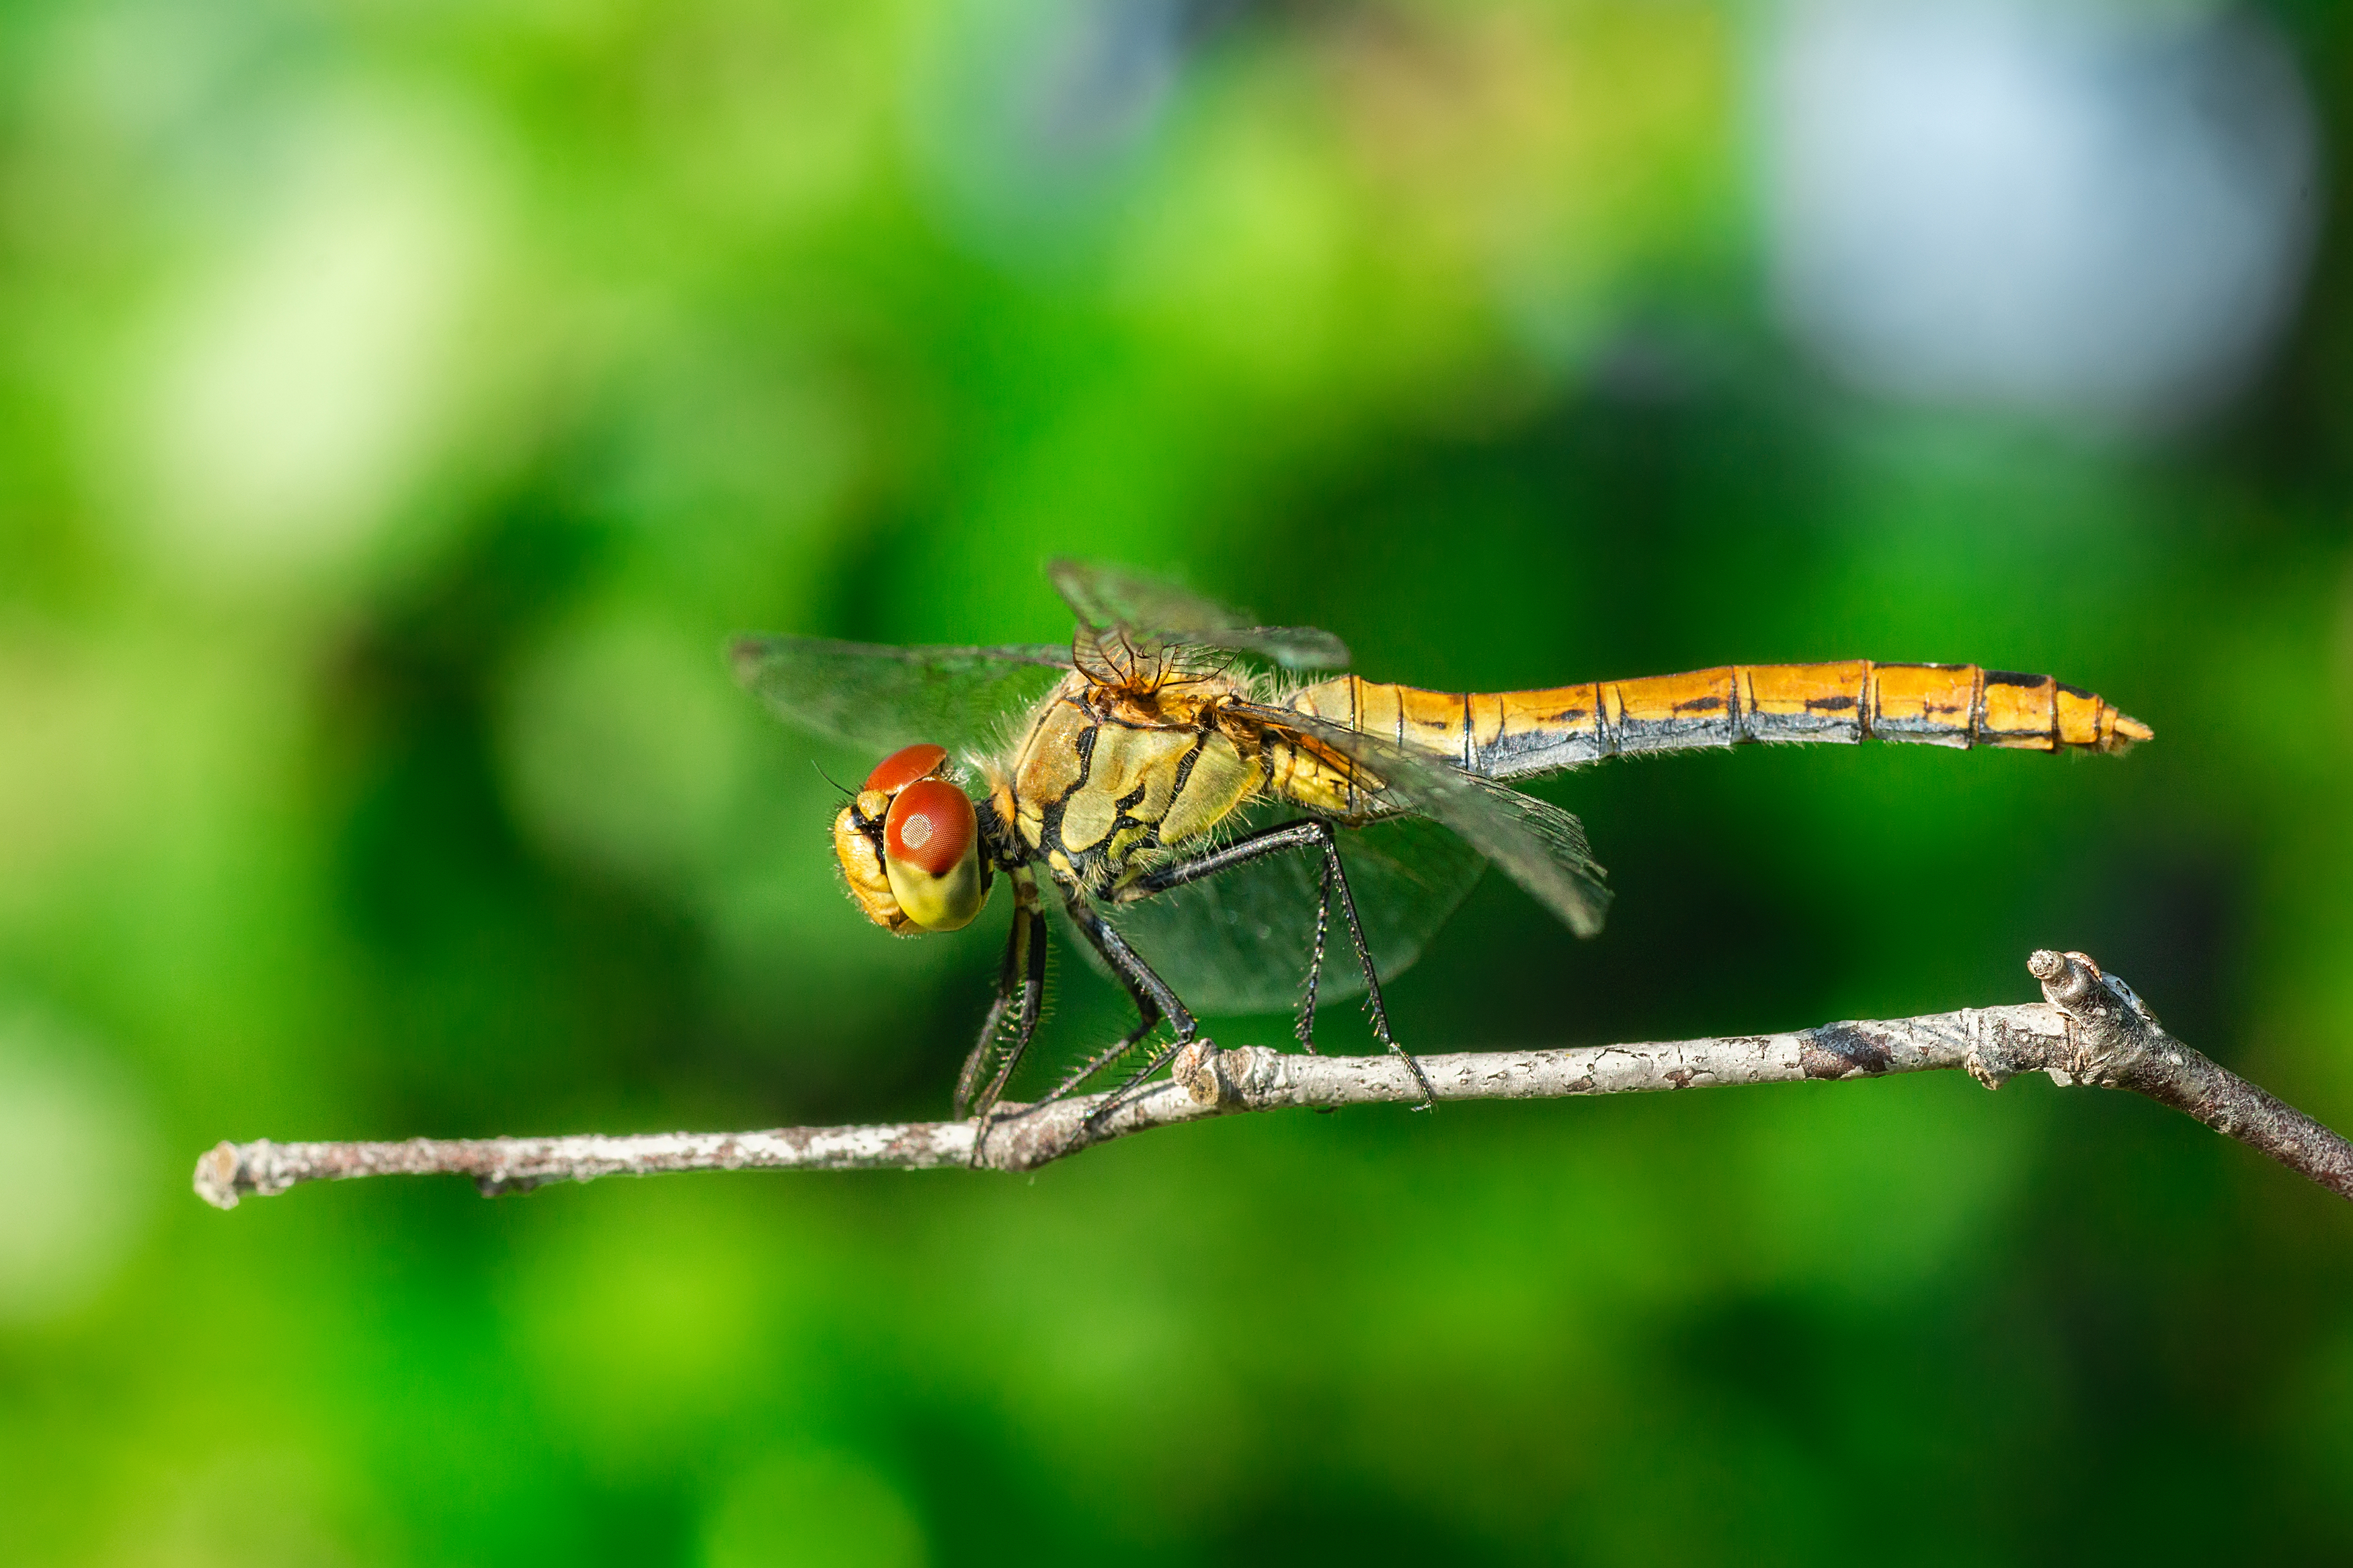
(399, 405)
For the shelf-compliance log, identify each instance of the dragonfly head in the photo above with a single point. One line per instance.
(910, 846)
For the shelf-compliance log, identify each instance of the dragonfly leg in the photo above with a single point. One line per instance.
(1148, 1019)
(1153, 1000)
(1274, 840)
(1304, 1025)
(993, 1026)
(1252, 847)
(1020, 991)
(1334, 876)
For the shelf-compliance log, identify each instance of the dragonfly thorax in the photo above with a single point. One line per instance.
(1104, 782)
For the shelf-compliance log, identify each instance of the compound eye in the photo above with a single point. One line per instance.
(931, 826)
(905, 767)
(930, 852)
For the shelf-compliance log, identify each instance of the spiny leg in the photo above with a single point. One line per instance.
(1033, 992)
(1272, 841)
(1148, 1019)
(1018, 940)
(1152, 996)
(991, 1027)
(1021, 988)
(1253, 846)
(1304, 1025)
(1153, 1000)
(1241, 852)
(1337, 877)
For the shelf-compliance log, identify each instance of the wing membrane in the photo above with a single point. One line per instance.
(1107, 598)
(1539, 846)
(878, 697)
(1240, 943)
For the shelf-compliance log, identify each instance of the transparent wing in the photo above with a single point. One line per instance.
(1108, 598)
(1240, 943)
(879, 699)
(1539, 846)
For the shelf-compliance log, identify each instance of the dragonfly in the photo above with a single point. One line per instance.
(1201, 795)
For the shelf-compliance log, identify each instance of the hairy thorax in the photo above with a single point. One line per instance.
(1103, 781)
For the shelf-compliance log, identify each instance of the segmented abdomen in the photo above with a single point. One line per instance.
(1504, 734)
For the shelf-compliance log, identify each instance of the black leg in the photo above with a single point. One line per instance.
(1020, 989)
(1273, 841)
(1148, 1019)
(1153, 1000)
(1150, 994)
(1380, 1017)
(1225, 857)
(1241, 851)
(993, 1024)
(1304, 1025)
(1033, 992)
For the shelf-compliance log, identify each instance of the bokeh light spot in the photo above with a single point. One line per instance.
(2097, 212)
(299, 390)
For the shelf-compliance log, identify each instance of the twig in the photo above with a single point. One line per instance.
(2089, 1029)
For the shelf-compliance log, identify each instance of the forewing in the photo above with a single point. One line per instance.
(1539, 845)
(878, 697)
(1239, 942)
(1114, 599)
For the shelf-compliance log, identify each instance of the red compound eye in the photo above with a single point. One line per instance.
(930, 825)
(905, 767)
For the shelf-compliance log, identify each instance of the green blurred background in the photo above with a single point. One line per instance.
(400, 403)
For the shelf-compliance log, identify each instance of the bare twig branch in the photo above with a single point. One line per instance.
(2089, 1029)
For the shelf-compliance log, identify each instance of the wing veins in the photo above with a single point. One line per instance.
(1115, 600)
(878, 695)
(1539, 845)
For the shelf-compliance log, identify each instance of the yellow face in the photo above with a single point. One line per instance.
(910, 846)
